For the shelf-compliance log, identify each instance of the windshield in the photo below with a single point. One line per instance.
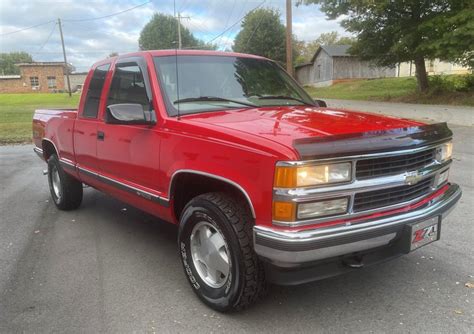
(210, 83)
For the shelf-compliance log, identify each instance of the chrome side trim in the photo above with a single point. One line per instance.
(125, 187)
(66, 163)
(39, 152)
(217, 177)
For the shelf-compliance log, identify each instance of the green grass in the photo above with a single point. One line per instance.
(16, 112)
(450, 89)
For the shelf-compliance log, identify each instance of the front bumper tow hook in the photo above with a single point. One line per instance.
(354, 262)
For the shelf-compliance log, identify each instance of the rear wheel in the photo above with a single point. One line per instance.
(66, 190)
(215, 241)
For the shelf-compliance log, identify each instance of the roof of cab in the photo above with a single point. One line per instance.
(173, 52)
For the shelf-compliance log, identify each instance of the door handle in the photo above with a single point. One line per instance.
(100, 135)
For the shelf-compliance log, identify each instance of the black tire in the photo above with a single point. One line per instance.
(70, 189)
(246, 282)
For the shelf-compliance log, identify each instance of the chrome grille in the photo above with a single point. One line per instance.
(377, 167)
(390, 196)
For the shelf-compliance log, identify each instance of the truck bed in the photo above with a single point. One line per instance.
(57, 124)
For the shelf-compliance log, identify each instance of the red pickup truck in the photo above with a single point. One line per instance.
(265, 183)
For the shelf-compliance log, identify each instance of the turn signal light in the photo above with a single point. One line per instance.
(284, 211)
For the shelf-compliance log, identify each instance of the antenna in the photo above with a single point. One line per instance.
(176, 56)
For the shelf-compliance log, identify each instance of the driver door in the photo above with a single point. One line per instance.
(128, 155)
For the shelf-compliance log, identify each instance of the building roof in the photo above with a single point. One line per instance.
(12, 76)
(304, 64)
(70, 67)
(42, 63)
(337, 50)
(333, 51)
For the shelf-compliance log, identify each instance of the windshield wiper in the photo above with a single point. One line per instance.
(211, 99)
(281, 97)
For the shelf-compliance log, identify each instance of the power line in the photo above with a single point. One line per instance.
(47, 39)
(109, 15)
(229, 33)
(23, 29)
(227, 21)
(253, 32)
(185, 3)
(76, 20)
(233, 25)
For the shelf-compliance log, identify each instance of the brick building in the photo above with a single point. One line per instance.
(41, 77)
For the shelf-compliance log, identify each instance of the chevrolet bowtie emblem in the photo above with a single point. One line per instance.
(413, 178)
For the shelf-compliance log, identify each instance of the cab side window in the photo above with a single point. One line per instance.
(128, 85)
(91, 106)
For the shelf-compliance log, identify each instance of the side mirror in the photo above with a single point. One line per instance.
(129, 113)
(321, 103)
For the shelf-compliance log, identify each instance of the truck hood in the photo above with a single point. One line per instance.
(286, 124)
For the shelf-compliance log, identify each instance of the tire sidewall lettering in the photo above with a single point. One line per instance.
(199, 286)
(187, 268)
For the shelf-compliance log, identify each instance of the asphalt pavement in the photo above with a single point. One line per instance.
(108, 267)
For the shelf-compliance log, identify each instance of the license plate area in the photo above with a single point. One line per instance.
(424, 233)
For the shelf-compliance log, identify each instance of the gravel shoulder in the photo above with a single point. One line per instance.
(429, 113)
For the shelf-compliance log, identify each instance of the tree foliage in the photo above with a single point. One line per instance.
(391, 32)
(8, 61)
(162, 33)
(262, 34)
(306, 50)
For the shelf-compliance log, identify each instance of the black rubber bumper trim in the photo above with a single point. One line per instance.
(330, 267)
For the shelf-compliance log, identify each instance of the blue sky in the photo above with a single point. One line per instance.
(88, 39)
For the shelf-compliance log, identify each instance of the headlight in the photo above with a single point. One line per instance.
(290, 211)
(444, 152)
(322, 208)
(293, 177)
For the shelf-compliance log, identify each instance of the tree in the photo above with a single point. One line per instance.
(308, 49)
(391, 32)
(262, 34)
(8, 61)
(162, 33)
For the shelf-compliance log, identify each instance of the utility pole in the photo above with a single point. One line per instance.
(180, 43)
(289, 46)
(65, 59)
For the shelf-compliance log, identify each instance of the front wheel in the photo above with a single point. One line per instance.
(215, 242)
(66, 190)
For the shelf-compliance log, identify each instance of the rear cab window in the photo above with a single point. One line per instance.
(94, 92)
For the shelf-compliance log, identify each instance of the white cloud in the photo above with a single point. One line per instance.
(89, 41)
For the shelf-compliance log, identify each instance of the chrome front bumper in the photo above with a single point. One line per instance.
(290, 249)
